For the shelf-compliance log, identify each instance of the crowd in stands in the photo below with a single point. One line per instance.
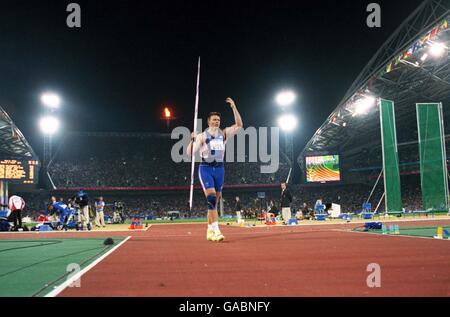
(408, 154)
(350, 197)
(139, 162)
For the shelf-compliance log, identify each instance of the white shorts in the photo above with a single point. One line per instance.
(286, 213)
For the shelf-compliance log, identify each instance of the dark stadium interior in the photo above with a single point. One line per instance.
(320, 132)
(115, 144)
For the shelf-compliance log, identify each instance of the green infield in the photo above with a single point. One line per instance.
(36, 267)
(427, 232)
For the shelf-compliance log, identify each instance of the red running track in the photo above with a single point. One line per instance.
(177, 261)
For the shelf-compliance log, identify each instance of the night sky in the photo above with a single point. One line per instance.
(130, 58)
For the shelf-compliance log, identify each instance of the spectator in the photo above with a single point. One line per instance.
(273, 208)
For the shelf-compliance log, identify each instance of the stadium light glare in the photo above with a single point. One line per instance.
(287, 122)
(363, 105)
(437, 49)
(49, 125)
(50, 100)
(285, 98)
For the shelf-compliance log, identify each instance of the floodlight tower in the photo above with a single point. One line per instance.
(49, 124)
(287, 121)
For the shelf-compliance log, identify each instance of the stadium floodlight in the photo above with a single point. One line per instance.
(49, 125)
(287, 122)
(363, 105)
(437, 49)
(50, 100)
(285, 98)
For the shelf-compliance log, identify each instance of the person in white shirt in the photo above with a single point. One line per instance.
(99, 213)
(16, 205)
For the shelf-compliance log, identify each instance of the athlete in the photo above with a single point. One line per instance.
(62, 210)
(211, 144)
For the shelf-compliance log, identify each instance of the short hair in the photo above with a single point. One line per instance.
(214, 114)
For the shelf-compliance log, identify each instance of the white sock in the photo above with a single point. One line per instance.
(210, 227)
(215, 226)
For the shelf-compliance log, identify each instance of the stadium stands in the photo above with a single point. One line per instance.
(119, 161)
(154, 205)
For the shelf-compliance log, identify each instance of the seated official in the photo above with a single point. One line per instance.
(273, 209)
(306, 212)
(299, 215)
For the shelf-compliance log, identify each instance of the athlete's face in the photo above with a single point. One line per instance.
(214, 122)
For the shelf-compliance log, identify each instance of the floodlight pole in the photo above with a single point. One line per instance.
(289, 147)
(47, 150)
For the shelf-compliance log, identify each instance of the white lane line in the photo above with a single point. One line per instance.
(77, 276)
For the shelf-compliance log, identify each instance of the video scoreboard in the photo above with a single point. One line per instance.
(322, 169)
(19, 171)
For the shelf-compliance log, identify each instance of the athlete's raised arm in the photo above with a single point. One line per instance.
(230, 131)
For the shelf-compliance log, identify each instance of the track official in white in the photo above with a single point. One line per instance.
(16, 205)
(99, 213)
(286, 200)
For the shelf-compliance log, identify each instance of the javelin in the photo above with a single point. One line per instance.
(191, 195)
(289, 176)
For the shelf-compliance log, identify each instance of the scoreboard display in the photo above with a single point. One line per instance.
(322, 169)
(19, 171)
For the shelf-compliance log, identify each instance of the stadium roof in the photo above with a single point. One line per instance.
(12, 142)
(398, 72)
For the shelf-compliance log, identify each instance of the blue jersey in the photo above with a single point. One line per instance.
(99, 206)
(213, 149)
(60, 207)
(63, 210)
(211, 171)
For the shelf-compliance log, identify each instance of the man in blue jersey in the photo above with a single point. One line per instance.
(211, 144)
(61, 209)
